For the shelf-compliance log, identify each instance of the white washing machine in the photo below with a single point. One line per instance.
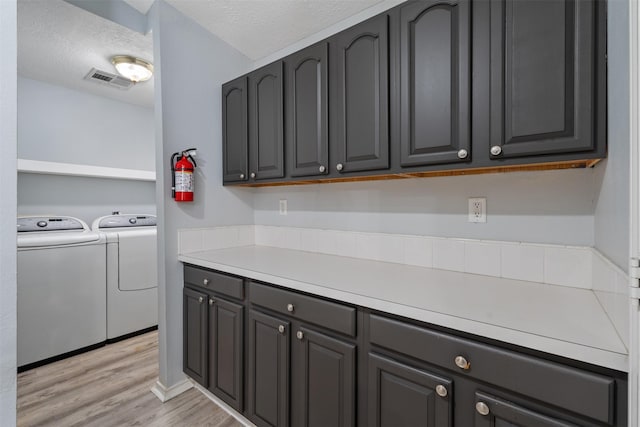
(61, 288)
(132, 273)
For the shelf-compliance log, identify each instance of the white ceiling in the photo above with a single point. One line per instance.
(59, 43)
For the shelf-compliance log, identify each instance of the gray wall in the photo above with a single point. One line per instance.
(8, 66)
(58, 124)
(188, 114)
(612, 210)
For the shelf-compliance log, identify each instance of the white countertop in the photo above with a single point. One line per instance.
(560, 320)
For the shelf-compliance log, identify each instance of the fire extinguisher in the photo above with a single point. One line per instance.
(182, 178)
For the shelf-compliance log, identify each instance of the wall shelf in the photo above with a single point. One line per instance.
(70, 169)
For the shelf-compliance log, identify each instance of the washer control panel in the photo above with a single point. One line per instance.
(120, 221)
(62, 223)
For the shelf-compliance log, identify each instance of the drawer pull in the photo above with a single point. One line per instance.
(281, 329)
(462, 363)
(205, 282)
(482, 408)
(290, 308)
(211, 301)
(441, 390)
(299, 335)
(200, 299)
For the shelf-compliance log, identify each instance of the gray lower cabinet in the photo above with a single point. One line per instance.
(492, 411)
(195, 335)
(359, 106)
(435, 65)
(226, 351)
(269, 367)
(547, 91)
(404, 396)
(323, 380)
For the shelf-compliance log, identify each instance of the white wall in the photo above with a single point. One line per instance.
(8, 112)
(58, 124)
(188, 114)
(612, 208)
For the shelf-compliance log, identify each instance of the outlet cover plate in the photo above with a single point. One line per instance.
(478, 209)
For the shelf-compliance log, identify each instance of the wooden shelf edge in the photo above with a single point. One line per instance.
(571, 164)
(71, 169)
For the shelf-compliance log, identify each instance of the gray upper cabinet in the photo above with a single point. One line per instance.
(434, 82)
(235, 131)
(266, 122)
(360, 97)
(307, 111)
(546, 97)
(195, 330)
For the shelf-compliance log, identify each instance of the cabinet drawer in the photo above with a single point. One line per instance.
(330, 315)
(544, 380)
(214, 281)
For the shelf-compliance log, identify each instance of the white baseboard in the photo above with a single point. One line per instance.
(228, 409)
(165, 393)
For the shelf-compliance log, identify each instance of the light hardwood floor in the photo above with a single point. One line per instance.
(110, 386)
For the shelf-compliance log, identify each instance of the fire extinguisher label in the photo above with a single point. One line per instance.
(184, 182)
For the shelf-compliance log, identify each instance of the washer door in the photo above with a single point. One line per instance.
(138, 260)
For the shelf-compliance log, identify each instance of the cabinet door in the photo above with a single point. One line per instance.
(491, 411)
(403, 396)
(543, 77)
(307, 136)
(226, 349)
(268, 382)
(360, 101)
(234, 131)
(266, 155)
(324, 380)
(195, 335)
(434, 82)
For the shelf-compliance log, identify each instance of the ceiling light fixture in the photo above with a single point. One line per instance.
(132, 68)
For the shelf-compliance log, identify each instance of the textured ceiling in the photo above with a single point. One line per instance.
(258, 28)
(59, 43)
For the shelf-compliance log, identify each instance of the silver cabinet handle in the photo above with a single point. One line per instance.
(290, 308)
(321, 169)
(252, 175)
(462, 154)
(205, 282)
(441, 390)
(299, 335)
(482, 408)
(339, 167)
(241, 176)
(496, 150)
(211, 301)
(281, 329)
(462, 363)
(200, 300)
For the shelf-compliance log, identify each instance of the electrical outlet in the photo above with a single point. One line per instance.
(478, 209)
(283, 206)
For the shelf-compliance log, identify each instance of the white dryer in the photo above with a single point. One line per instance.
(132, 273)
(61, 289)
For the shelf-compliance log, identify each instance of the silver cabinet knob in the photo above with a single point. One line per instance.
(211, 301)
(200, 299)
(496, 150)
(281, 329)
(205, 282)
(462, 154)
(441, 390)
(482, 408)
(339, 167)
(321, 169)
(252, 174)
(241, 176)
(299, 335)
(290, 308)
(462, 363)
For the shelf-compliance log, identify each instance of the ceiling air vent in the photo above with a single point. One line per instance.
(108, 79)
